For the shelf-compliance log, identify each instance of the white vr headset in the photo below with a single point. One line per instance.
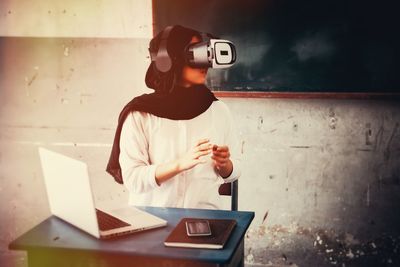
(210, 53)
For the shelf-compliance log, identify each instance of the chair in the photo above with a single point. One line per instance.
(230, 189)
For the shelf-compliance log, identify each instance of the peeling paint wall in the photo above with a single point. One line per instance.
(320, 171)
(66, 69)
(75, 18)
(321, 175)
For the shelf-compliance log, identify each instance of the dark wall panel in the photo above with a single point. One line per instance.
(298, 46)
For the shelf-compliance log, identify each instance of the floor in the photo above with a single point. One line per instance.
(297, 248)
(361, 257)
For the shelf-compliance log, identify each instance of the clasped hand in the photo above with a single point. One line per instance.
(196, 155)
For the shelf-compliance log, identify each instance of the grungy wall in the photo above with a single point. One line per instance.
(63, 94)
(323, 179)
(322, 175)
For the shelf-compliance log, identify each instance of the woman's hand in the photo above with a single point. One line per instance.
(194, 156)
(222, 162)
(166, 171)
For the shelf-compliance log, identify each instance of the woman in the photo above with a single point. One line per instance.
(176, 146)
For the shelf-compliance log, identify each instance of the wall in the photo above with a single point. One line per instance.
(323, 179)
(66, 69)
(75, 18)
(318, 173)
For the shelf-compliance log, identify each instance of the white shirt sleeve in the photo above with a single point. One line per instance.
(232, 142)
(137, 172)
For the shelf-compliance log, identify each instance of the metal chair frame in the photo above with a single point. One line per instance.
(231, 189)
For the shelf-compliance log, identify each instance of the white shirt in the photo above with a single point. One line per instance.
(147, 140)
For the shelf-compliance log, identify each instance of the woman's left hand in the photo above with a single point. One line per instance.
(221, 157)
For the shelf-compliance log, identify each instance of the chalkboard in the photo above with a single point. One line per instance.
(298, 46)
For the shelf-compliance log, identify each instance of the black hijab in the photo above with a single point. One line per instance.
(169, 100)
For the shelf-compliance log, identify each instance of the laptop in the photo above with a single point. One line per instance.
(71, 199)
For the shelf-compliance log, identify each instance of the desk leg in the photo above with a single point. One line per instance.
(238, 257)
(63, 258)
(68, 258)
(241, 253)
(60, 258)
(38, 258)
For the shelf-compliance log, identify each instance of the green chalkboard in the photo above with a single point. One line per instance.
(298, 46)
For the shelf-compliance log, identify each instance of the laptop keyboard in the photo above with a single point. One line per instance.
(108, 222)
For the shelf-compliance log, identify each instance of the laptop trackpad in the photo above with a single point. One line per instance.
(128, 214)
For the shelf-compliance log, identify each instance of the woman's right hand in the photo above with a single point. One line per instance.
(194, 156)
(191, 158)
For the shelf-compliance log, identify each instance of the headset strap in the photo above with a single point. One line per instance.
(163, 43)
(162, 48)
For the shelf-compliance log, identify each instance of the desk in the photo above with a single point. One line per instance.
(57, 243)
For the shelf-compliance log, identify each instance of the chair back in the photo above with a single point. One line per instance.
(230, 189)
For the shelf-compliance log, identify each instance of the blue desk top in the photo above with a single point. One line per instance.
(54, 233)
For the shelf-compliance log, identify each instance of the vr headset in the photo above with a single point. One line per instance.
(210, 53)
